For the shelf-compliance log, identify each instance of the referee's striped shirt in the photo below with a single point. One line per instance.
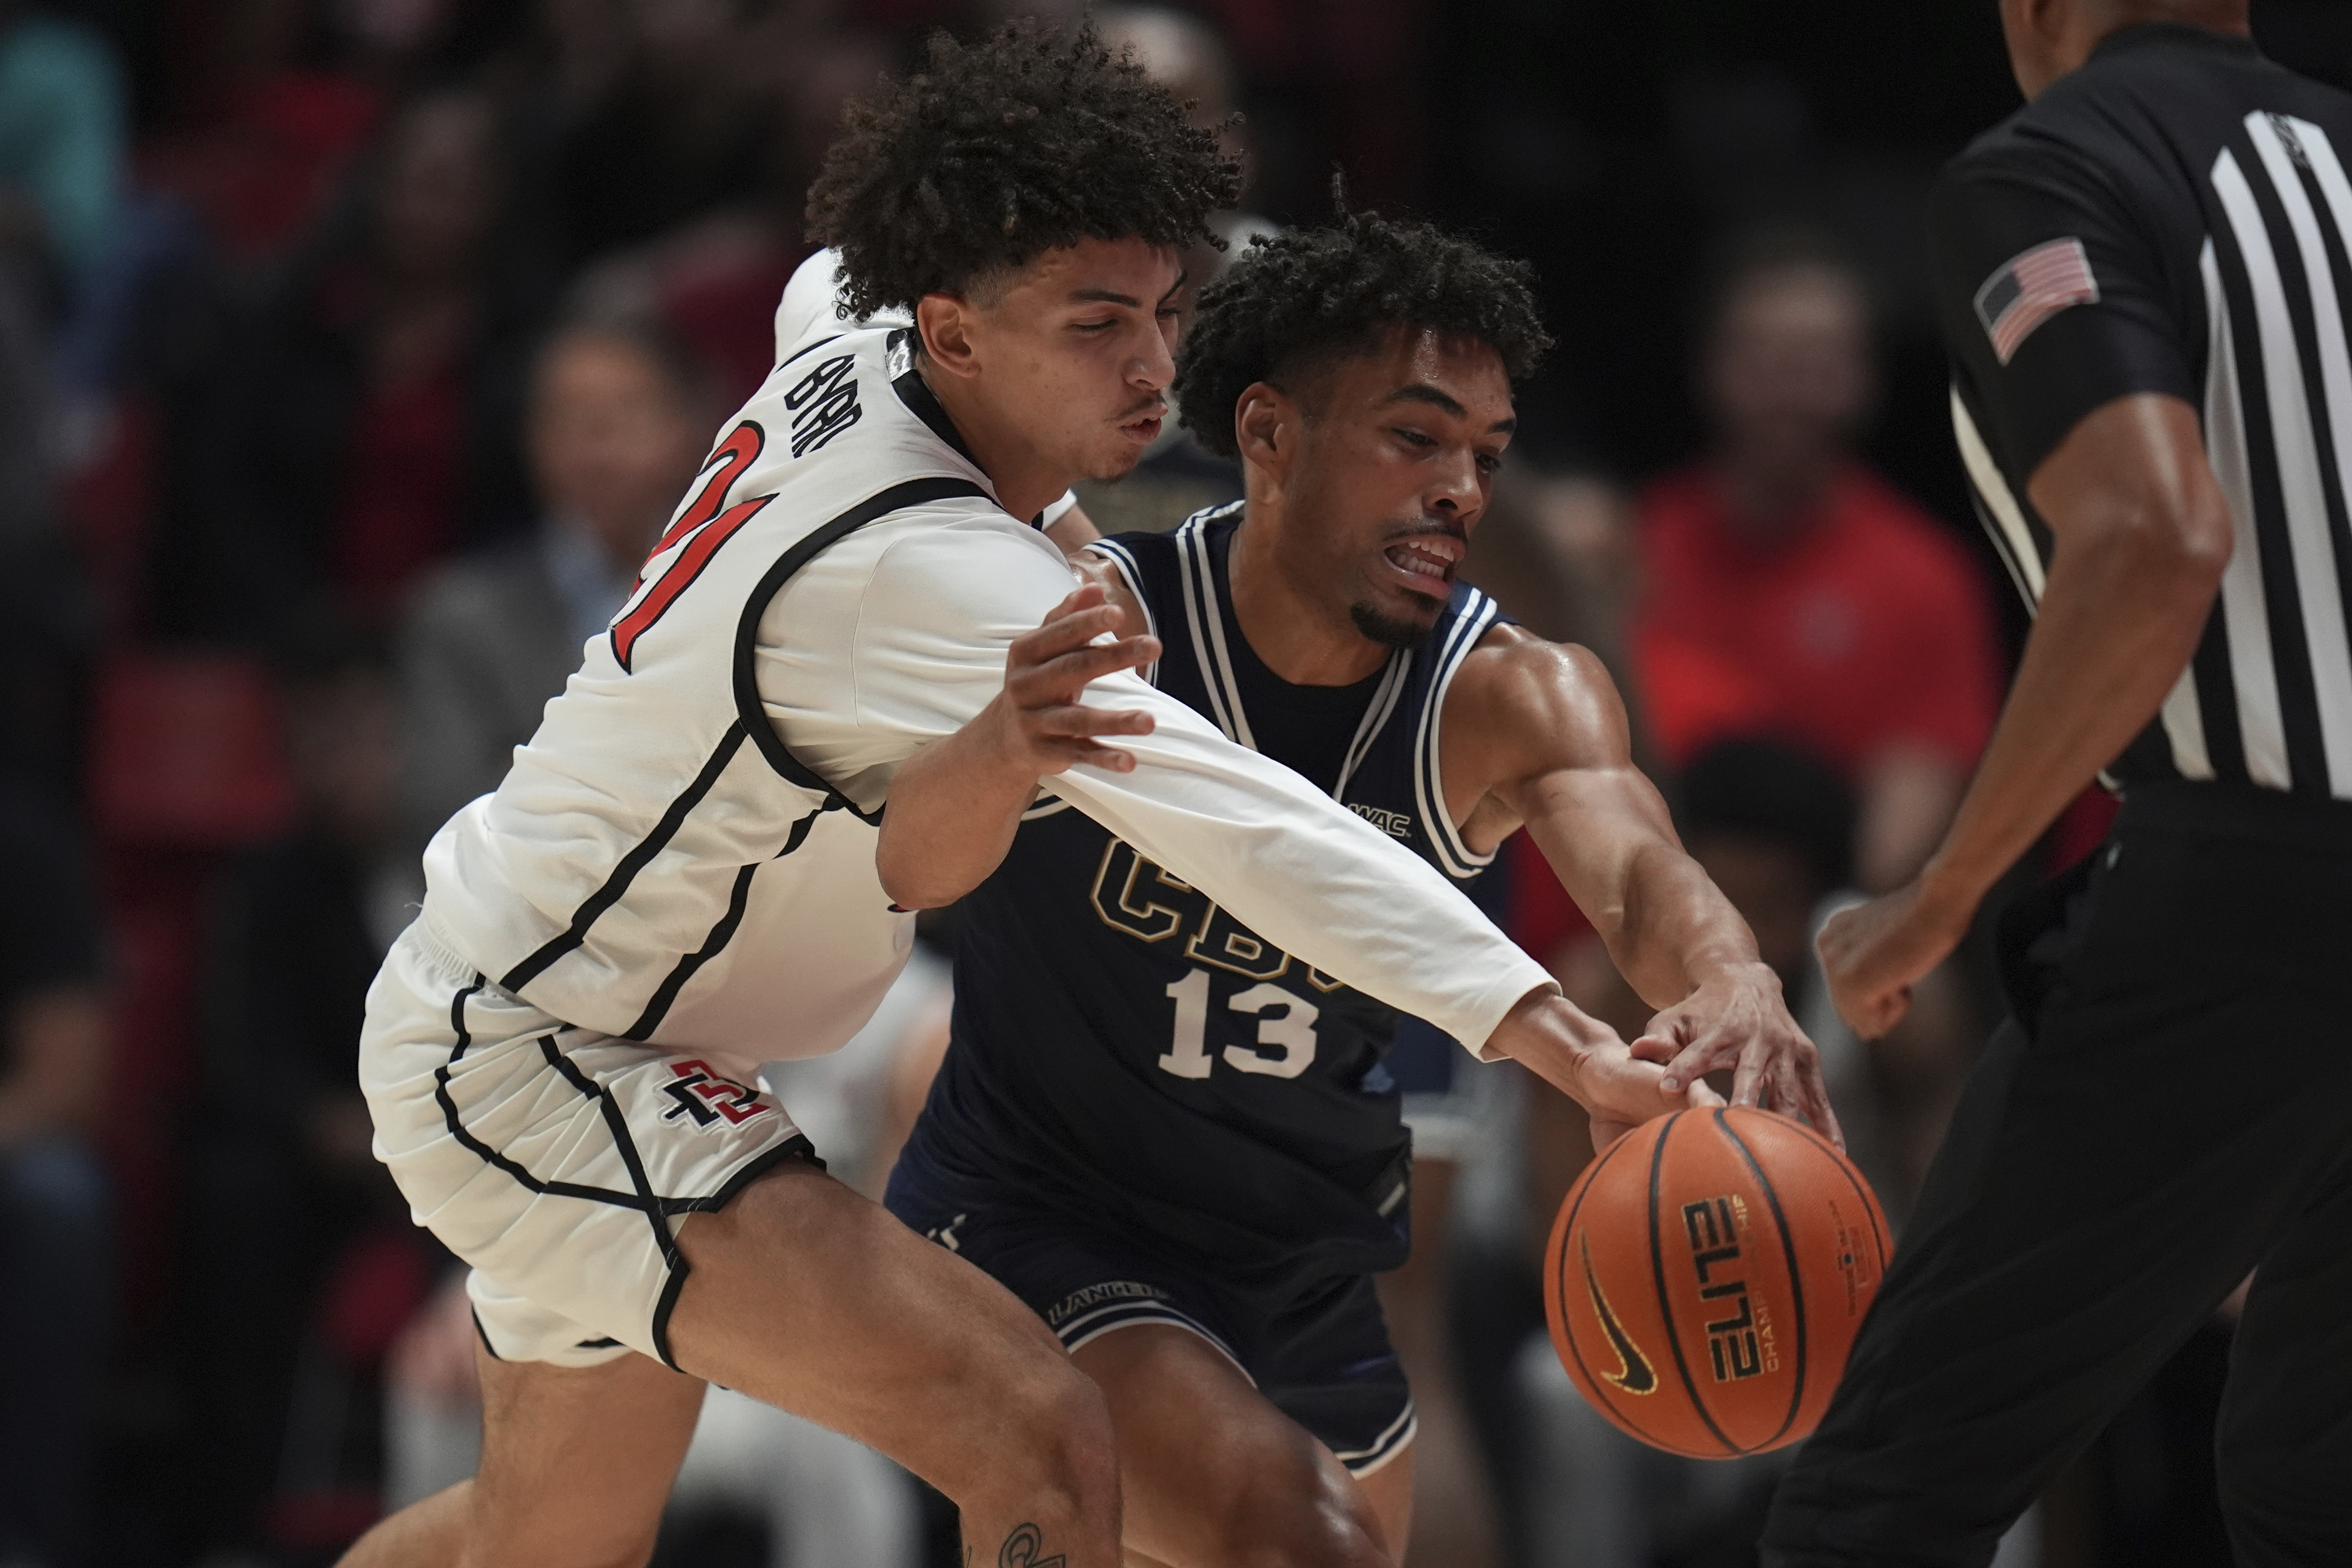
(2176, 217)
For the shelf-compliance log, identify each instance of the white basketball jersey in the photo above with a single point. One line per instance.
(655, 830)
(661, 865)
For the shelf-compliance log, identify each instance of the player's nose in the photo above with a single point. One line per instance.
(1155, 364)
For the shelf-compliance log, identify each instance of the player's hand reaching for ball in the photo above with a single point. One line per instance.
(1739, 1019)
(1038, 723)
(1584, 1059)
(1873, 953)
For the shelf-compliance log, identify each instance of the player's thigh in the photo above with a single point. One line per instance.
(576, 1461)
(807, 1295)
(1211, 1472)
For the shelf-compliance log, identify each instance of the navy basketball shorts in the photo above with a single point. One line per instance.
(1322, 1357)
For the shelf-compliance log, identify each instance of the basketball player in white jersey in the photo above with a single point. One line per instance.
(677, 880)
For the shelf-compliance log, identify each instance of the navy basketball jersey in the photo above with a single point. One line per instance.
(1126, 1052)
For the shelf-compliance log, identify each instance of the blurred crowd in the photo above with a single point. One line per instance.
(352, 353)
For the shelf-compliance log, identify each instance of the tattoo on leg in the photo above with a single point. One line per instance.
(1021, 1548)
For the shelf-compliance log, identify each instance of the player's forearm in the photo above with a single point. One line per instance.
(954, 807)
(1679, 930)
(1608, 837)
(1308, 876)
(2126, 604)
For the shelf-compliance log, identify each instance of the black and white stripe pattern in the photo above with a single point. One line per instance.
(2268, 698)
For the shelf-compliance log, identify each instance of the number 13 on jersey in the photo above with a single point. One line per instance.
(1285, 1030)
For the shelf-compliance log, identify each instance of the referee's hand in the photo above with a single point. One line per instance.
(1873, 953)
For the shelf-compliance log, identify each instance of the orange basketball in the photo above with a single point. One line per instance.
(1707, 1276)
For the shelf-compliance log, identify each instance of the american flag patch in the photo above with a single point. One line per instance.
(2028, 289)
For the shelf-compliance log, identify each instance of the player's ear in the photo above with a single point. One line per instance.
(1266, 427)
(945, 322)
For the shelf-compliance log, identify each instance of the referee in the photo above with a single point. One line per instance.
(2144, 276)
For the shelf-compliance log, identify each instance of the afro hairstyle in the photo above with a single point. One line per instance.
(995, 153)
(1295, 303)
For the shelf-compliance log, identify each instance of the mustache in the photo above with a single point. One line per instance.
(1432, 523)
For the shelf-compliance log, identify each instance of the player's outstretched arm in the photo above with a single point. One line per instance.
(1584, 1059)
(1540, 725)
(2143, 537)
(956, 801)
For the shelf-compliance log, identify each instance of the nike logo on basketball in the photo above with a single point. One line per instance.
(1635, 1373)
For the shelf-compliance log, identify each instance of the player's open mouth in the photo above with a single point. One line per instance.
(1143, 431)
(1426, 560)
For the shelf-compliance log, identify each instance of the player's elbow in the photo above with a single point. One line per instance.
(915, 881)
(2177, 551)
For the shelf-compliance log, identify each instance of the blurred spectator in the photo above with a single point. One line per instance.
(62, 132)
(268, 105)
(657, 113)
(1791, 592)
(53, 1220)
(365, 429)
(618, 422)
(715, 280)
(304, 1262)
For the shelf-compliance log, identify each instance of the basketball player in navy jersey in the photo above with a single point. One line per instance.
(1173, 1139)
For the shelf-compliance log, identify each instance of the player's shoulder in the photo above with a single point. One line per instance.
(1143, 557)
(1520, 704)
(936, 556)
(1510, 675)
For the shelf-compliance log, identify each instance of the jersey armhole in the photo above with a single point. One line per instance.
(1455, 858)
(1130, 572)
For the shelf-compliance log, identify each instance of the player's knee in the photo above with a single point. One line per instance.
(1299, 1515)
(1058, 1440)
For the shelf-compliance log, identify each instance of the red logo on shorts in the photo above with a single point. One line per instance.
(702, 1094)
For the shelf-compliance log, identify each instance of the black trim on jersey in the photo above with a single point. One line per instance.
(752, 718)
(666, 994)
(2291, 667)
(809, 349)
(592, 907)
(917, 395)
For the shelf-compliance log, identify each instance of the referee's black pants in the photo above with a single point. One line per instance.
(2177, 1112)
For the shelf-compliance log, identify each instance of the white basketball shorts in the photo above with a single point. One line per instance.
(560, 1162)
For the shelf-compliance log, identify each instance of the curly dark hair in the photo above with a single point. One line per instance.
(1293, 304)
(998, 151)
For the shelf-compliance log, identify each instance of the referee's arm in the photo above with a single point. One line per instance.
(2094, 404)
(2143, 536)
